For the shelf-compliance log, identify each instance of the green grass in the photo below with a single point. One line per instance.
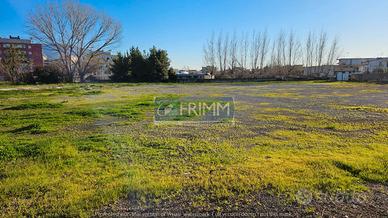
(33, 106)
(68, 151)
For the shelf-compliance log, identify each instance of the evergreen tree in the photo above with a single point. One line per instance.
(47, 74)
(121, 68)
(172, 75)
(138, 65)
(158, 65)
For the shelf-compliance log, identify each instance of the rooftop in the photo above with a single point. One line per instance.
(15, 39)
(369, 58)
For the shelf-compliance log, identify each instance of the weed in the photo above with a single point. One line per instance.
(286, 144)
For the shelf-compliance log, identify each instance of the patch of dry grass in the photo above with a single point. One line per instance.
(101, 144)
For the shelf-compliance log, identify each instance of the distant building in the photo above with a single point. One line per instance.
(375, 64)
(193, 76)
(32, 51)
(352, 61)
(209, 70)
(343, 72)
(101, 64)
(348, 67)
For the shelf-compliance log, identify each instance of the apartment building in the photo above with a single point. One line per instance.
(32, 51)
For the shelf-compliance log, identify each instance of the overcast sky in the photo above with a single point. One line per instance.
(182, 26)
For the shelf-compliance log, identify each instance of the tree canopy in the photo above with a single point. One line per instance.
(138, 66)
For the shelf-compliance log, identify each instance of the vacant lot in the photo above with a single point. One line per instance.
(93, 149)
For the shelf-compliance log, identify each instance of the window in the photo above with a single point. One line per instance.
(19, 46)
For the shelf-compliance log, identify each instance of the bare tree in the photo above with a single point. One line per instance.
(233, 53)
(273, 58)
(282, 47)
(264, 49)
(321, 49)
(333, 52)
(279, 56)
(290, 48)
(225, 50)
(255, 51)
(219, 52)
(210, 54)
(222, 51)
(244, 46)
(15, 64)
(310, 47)
(280, 53)
(76, 32)
(293, 49)
(293, 52)
(298, 54)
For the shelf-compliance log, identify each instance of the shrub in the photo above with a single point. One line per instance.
(172, 75)
(48, 74)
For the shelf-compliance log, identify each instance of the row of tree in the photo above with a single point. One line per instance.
(133, 66)
(258, 53)
(137, 66)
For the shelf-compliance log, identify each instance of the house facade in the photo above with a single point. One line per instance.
(374, 65)
(352, 67)
(101, 67)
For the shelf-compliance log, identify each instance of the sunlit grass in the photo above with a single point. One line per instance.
(71, 150)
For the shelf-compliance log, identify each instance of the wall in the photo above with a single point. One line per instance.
(370, 77)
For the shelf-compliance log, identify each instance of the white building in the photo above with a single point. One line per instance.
(352, 61)
(353, 66)
(375, 64)
(193, 75)
(365, 64)
(101, 67)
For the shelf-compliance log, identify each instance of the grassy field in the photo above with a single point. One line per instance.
(72, 149)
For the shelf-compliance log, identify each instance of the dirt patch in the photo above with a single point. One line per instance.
(364, 204)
